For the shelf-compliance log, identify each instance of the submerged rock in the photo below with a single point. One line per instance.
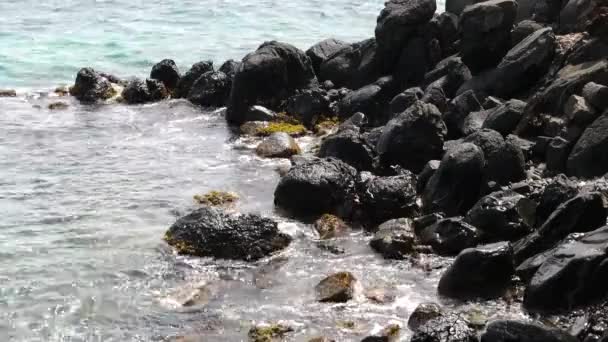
(91, 87)
(167, 72)
(395, 239)
(482, 272)
(8, 93)
(316, 187)
(510, 331)
(445, 328)
(455, 186)
(336, 288)
(278, 145)
(267, 77)
(216, 198)
(576, 273)
(269, 333)
(329, 226)
(210, 232)
(413, 138)
(423, 313)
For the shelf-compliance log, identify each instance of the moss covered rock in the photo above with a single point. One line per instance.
(268, 333)
(211, 232)
(216, 198)
(330, 226)
(337, 288)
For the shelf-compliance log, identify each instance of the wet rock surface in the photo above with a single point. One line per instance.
(336, 288)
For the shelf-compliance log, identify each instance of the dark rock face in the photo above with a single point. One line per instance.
(321, 51)
(523, 29)
(444, 27)
(214, 233)
(457, 110)
(511, 331)
(308, 105)
(569, 80)
(384, 198)
(596, 95)
(397, 22)
(413, 138)
(423, 313)
(229, 68)
(427, 172)
(184, 85)
(316, 187)
(449, 236)
(370, 100)
(352, 67)
(457, 6)
(486, 33)
(268, 76)
(482, 272)
(504, 161)
(576, 273)
(91, 87)
(560, 190)
(505, 117)
(394, 239)
(260, 113)
(445, 328)
(211, 89)
(337, 288)
(167, 72)
(138, 91)
(580, 112)
(350, 147)
(502, 216)
(583, 213)
(455, 186)
(278, 145)
(416, 58)
(588, 157)
(522, 66)
(557, 153)
(403, 101)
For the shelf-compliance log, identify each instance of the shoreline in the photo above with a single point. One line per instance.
(475, 135)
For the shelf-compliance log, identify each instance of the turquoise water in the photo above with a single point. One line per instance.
(43, 43)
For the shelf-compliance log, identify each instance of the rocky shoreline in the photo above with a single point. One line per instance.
(480, 133)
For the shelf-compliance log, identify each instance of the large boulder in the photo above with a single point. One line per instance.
(418, 56)
(445, 328)
(502, 216)
(515, 331)
(211, 232)
(520, 69)
(370, 100)
(384, 198)
(184, 85)
(504, 118)
(486, 32)
(353, 66)
(91, 87)
(308, 105)
(455, 186)
(396, 24)
(229, 68)
(315, 187)
(449, 236)
(560, 190)
(596, 95)
(483, 272)
(457, 6)
(524, 29)
(457, 111)
(583, 213)
(267, 77)
(576, 273)
(336, 288)
(167, 72)
(211, 89)
(413, 138)
(504, 160)
(350, 147)
(575, 14)
(321, 51)
(588, 157)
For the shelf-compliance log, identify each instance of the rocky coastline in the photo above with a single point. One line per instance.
(478, 134)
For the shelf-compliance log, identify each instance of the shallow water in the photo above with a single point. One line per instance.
(87, 192)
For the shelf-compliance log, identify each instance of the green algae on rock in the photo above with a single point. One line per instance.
(337, 288)
(216, 198)
(269, 333)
